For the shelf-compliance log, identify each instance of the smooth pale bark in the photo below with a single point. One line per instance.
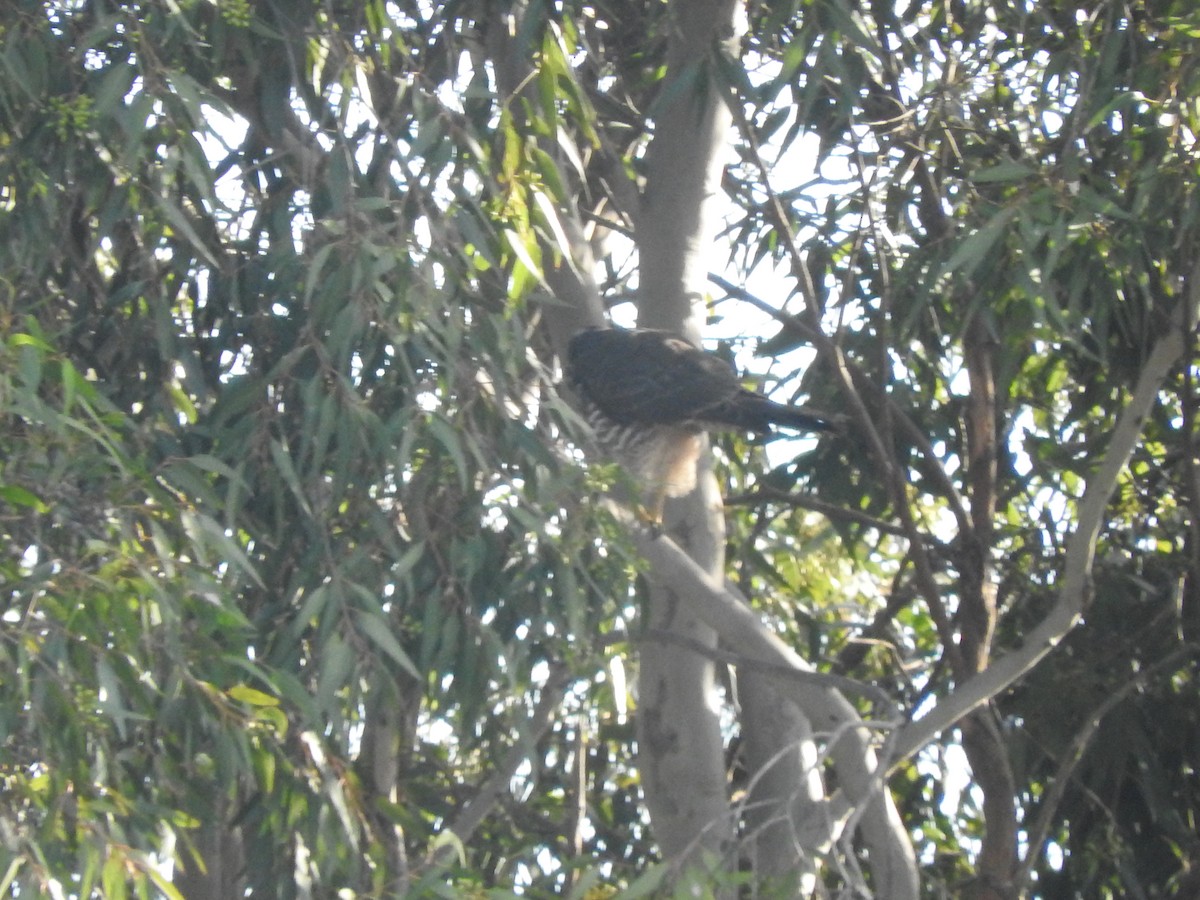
(692, 128)
(681, 752)
(388, 741)
(862, 799)
(786, 820)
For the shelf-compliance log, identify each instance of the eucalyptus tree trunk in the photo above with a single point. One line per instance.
(679, 738)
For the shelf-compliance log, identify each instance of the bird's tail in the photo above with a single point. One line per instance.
(754, 412)
(799, 418)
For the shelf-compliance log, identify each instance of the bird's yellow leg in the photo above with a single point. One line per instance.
(652, 513)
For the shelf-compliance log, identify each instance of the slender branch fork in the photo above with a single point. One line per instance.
(975, 689)
(1076, 588)
(893, 477)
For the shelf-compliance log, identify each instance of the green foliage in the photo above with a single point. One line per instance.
(278, 466)
(1044, 185)
(294, 542)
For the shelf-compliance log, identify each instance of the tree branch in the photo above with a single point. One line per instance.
(783, 671)
(803, 501)
(829, 350)
(1076, 589)
(854, 759)
(488, 794)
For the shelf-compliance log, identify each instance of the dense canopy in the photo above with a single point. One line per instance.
(307, 587)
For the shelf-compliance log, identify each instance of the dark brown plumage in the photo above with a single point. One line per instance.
(649, 394)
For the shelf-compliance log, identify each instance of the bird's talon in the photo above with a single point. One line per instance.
(650, 519)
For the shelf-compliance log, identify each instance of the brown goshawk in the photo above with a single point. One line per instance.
(648, 395)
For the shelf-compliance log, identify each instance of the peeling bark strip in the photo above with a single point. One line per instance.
(983, 741)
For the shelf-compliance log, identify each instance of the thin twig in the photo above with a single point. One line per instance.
(803, 501)
(829, 350)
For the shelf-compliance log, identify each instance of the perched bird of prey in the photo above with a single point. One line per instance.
(648, 395)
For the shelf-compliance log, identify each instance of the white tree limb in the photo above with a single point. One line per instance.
(892, 859)
(1076, 589)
